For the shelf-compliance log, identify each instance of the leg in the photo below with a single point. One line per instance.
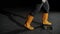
(45, 14)
(31, 17)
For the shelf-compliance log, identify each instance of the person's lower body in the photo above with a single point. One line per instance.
(36, 11)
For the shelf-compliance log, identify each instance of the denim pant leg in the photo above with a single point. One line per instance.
(46, 7)
(36, 9)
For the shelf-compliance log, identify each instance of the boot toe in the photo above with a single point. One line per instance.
(29, 27)
(47, 23)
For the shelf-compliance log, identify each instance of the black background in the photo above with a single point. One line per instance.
(54, 4)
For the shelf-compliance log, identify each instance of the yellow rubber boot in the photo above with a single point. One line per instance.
(45, 19)
(28, 22)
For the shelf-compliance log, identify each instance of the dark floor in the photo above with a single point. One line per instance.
(12, 21)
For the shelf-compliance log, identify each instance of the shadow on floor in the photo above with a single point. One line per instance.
(19, 24)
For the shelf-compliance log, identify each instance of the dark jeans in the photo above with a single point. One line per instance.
(37, 8)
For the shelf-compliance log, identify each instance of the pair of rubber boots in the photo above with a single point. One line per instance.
(30, 19)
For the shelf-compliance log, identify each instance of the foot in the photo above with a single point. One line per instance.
(46, 23)
(29, 27)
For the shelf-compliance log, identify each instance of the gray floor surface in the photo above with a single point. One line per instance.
(12, 21)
